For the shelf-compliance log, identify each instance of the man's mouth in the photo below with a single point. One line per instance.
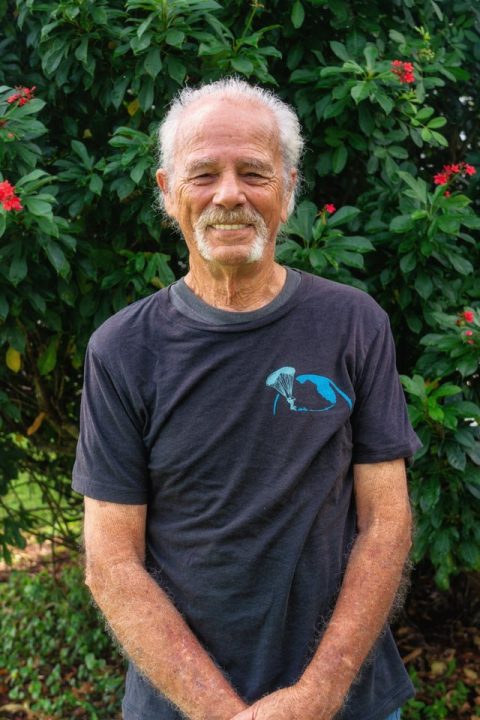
(223, 226)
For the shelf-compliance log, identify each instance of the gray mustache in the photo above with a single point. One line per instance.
(222, 217)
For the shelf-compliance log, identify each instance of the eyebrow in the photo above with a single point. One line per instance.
(208, 162)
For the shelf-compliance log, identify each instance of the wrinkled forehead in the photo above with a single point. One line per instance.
(214, 126)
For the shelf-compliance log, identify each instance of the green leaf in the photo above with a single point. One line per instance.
(343, 216)
(413, 322)
(430, 494)
(437, 122)
(418, 185)
(459, 263)
(449, 224)
(81, 53)
(18, 269)
(423, 284)
(153, 62)
(365, 120)
(57, 258)
(401, 224)
(360, 91)
(48, 359)
(439, 139)
(384, 101)
(301, 222)
(118, 92)
(371, 54)
(340, 50)
(89, 661)
(424, 114)
(397, 37)
(357, 243)
(82, 152)
(408, 262)
(474, 453)
(426, 134)
(175, 37)
(414, 385)
(467, 409)
(297, 15)
(317, 258)
(38, 207)
(242, 65)
(176, 69)
(447, 390)
(339, 159)
(146, 94)
(96, 184)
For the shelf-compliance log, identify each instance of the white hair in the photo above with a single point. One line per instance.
(290, 136)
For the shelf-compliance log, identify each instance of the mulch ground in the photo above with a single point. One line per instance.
(438, 634)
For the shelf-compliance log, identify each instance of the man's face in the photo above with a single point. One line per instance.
(227, 192)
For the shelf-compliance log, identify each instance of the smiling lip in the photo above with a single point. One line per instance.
(229, 227)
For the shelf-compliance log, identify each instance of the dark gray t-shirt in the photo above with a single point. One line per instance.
(241, 437)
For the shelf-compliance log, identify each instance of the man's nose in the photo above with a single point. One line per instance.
(229, 192)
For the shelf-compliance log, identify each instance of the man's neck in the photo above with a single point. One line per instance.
(241, 289)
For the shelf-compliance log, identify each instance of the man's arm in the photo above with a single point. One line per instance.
(144, 620)
(372, 577)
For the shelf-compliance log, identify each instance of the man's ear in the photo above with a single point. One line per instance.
(288, 194)
(163, 184)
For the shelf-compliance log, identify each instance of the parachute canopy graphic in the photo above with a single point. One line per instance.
(282, 380)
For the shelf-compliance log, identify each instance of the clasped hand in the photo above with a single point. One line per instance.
(286, 704)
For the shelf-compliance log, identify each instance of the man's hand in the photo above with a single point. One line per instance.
(293, 703)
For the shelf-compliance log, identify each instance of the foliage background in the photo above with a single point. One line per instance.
(88, 240)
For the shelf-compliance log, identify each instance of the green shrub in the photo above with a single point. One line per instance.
(56, 656)
(79, 150)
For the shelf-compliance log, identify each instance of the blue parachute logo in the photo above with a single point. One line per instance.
(283, 379)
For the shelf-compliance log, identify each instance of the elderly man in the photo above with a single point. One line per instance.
(241, 453)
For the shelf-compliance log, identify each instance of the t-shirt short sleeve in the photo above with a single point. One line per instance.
(380, 423)
(111, 459)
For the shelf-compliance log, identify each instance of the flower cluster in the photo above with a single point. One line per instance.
(8, 199)
(404, 71)
(449, 171)
(329, 208)
(22, 96)
(467, 316)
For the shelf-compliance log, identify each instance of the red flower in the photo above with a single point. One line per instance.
(12, 204)
(23, 95)
(8, 199)
(329, 208)
(469, 316)
(468, 333)
(449, 171)
(441, 179)
(404, 71)
(447, 193)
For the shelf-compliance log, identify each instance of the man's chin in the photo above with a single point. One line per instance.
(232, 255)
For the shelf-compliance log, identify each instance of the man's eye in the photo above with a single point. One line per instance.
(203, 177)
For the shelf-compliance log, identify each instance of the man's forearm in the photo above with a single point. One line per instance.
(373, 574)
(157, 639)
(371, 581)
